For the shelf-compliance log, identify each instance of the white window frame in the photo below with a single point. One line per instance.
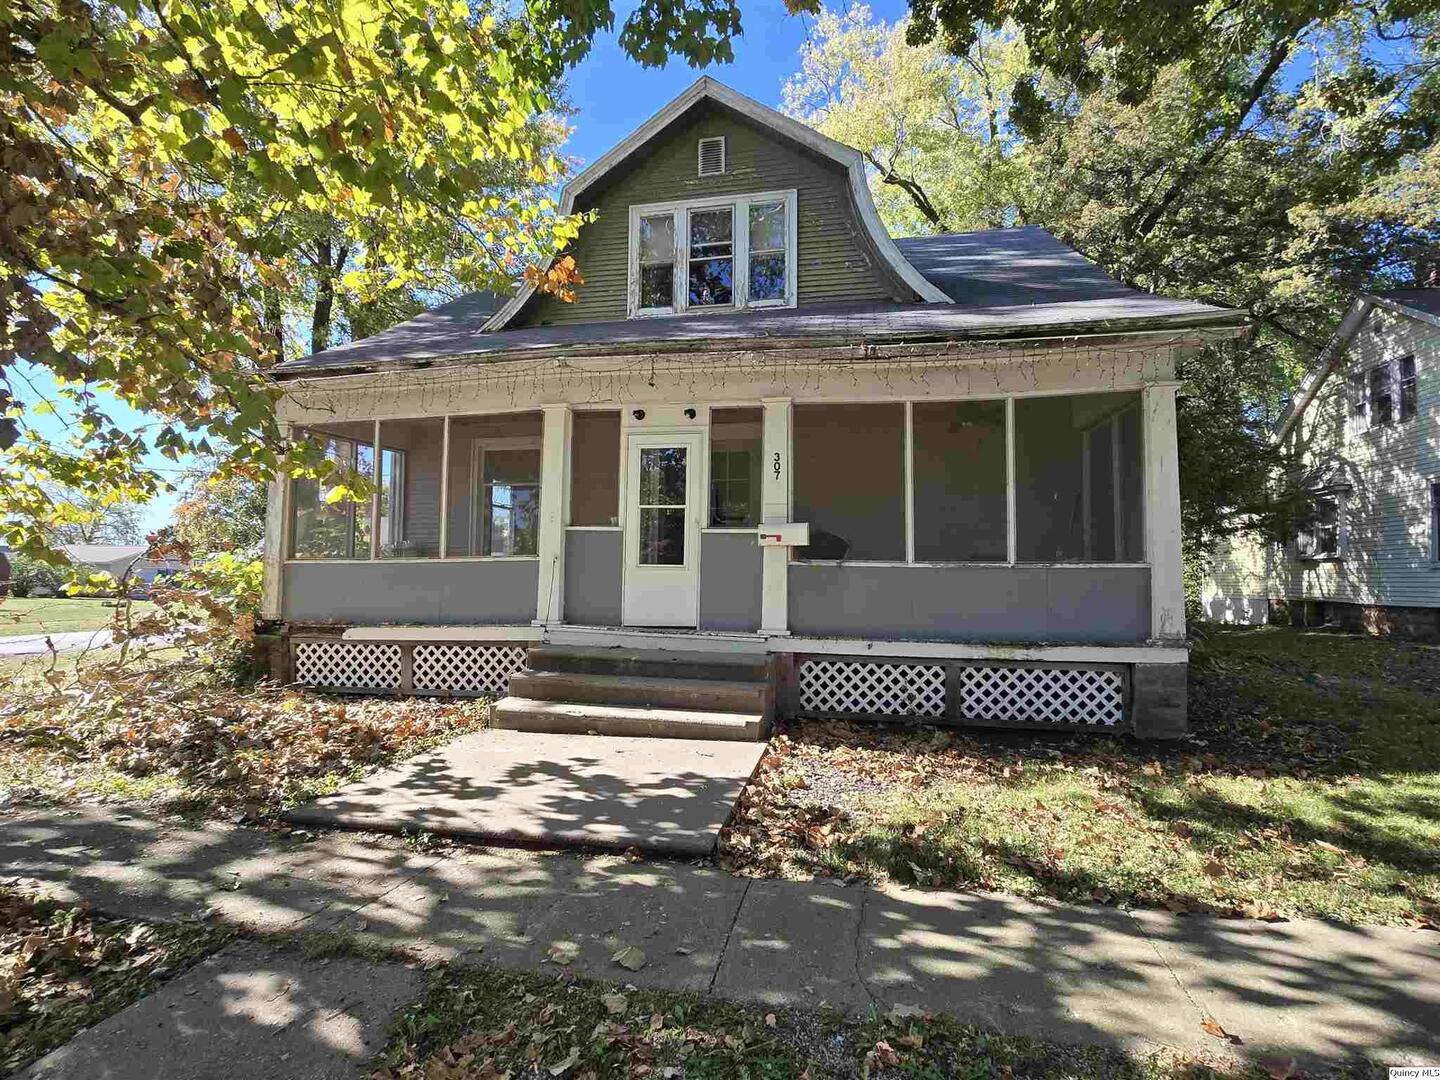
(680, 210)
(478, 450)
(1311, 552)
(1359, 403)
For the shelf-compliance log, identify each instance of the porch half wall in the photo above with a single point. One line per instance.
(1057, 604)
(442, 593)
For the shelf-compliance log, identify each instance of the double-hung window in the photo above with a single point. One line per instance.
(714, 253)
(1383, 394)
(1318, 534)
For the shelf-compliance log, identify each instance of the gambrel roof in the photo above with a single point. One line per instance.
(993, 284)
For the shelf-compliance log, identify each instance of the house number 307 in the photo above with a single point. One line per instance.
(775, 465)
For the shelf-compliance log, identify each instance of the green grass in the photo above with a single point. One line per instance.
(57, 615)
(1311, 787)
(481, 1022)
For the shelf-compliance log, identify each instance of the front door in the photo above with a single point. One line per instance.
(663, 503)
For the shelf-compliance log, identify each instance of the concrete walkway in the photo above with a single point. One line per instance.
(1306, 990)
(667, 796)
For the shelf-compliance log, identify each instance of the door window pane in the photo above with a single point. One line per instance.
(327, 525)
(1078, 479)
(850, 480)
(662, 476)
(662, 536)
(735, 451)
(657, 261)
(712, 257)
(959, 479)
(767, 251)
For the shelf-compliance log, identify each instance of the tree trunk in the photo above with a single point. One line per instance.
(329, 262)
(274, 323)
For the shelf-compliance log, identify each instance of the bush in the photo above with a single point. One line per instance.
(28, 574)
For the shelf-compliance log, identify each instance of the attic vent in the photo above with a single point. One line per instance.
(712, 156)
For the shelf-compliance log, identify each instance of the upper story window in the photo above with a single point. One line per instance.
(1383, 394)
(724, 253)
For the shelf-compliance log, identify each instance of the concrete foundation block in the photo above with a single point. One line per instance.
(1159, 698)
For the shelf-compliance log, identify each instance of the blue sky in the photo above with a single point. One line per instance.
(613, 95)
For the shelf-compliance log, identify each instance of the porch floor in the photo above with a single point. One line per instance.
(663, 796)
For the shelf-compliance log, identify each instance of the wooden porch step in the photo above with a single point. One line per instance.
(642, 691)
(648, 663)
(574, 718)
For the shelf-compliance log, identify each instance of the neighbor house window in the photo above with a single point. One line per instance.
(1435, 521)
(327, 523)
(1384, 394)
(735, 447)
(733, 252)
(1318, 534)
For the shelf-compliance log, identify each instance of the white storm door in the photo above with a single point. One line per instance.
(663, 504)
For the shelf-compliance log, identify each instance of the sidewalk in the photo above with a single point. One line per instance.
(62, 641)
(1309, 990)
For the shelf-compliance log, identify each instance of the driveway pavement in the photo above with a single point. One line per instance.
(1308, 990)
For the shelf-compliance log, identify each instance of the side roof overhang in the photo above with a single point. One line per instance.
(705, 87)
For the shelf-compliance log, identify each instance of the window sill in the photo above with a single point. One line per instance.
(1318, 559)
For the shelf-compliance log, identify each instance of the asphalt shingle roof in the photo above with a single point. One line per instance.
(1003, 282)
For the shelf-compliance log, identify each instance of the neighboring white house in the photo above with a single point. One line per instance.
(116, 559)
(1367, 425)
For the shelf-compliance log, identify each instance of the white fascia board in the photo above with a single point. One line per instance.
(706, 87)
(1399, 308)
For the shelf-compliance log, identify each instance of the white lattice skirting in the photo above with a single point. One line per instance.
(838, 686)
(466, 669)
(348, 665)
(434, 668)
(1087, 697)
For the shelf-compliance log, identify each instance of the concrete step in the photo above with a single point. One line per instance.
(645, 663)
(651, 693)
(571, 718)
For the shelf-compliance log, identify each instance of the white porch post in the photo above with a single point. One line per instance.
(277, 537)
(1162, 514)
(775, 509)
(554, 500)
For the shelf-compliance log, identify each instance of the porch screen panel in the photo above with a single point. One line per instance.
(736, 440)
(849, 480)
(339, 529)
(1078, 479)
(411, 465)
(595, 468)
(494, 485)
(959, 481)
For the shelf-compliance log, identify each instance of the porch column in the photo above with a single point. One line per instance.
(554, 511)
(277, 537)
(1162, 514)
(775, 508)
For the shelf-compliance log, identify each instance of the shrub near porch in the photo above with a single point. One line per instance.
(1310, 787)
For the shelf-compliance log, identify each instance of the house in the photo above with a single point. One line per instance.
(1365, 427)
(119, 559)
(931, 477)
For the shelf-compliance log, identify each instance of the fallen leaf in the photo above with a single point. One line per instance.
(630, 958)
(615, 1004)
(563, 952)
(569, 1063)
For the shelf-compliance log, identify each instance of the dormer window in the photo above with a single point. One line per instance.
(732, 252)
(712, 156)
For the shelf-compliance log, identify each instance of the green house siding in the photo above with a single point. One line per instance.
(836, 260)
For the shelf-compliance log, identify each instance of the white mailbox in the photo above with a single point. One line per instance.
(790, 534)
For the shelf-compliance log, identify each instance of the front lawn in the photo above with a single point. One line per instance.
(188, 741)
(24, 616)
(1311, 786)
